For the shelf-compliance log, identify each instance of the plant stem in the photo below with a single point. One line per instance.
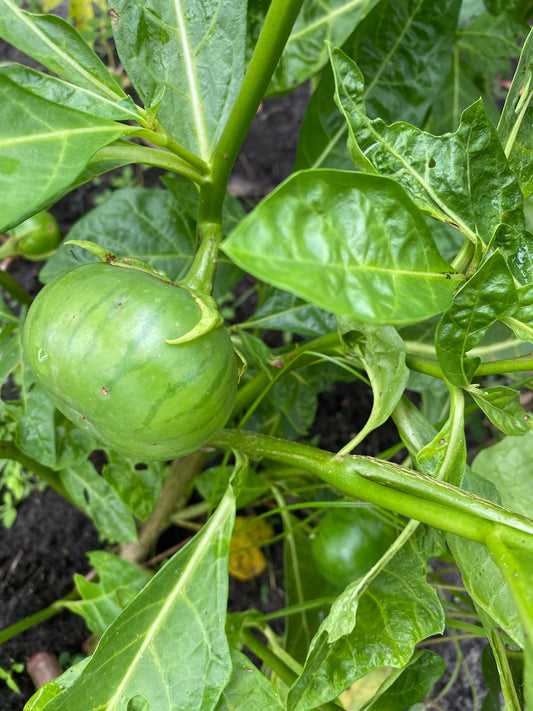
(277, 27)
(393, 487)
(133, 153)
(173, 496)
(29, 622)
(161, 138)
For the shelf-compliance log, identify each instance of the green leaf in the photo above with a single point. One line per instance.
(56, 45)
(411, 39)
(457, 93)
(279, 310)
(404, 687)
(10, 352)
(43, 696)
(516, 244)
(156, 226)
(102, 602)
(507, 465)
(67, 94)
(73, 445)
(461, 178)
(179, 615)
(488, 43)
(488, 296)
(395, 612)
(91, 493)
(521, 321)
(138, 488)
(213, 482)
(515, 128)
(43, 147)
(481, 576)
(382, 265)
(502, 407)
(36, 435)
(517, 566)
(382, 353)
(445, 456)
(248, 689)
(189, 56)
(306, 51)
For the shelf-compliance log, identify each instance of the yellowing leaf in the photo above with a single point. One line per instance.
(246, 560)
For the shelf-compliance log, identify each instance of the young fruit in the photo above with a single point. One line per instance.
(96, 339)
(349, 541)
(35, 239)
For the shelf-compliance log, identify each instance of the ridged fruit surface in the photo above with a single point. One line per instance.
(95, 339)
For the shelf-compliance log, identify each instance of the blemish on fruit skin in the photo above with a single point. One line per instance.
(105, 391)
(42, 355)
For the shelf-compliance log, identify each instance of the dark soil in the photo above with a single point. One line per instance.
(50, 538)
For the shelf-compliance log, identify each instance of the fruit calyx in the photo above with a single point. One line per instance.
(210, 317)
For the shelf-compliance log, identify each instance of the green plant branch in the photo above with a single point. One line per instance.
(173, 496)
(124, 150)
(393, 487)
(28, 622)
(162, 139)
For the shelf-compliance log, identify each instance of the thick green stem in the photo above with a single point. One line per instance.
(133, 153)
(160, 137)
(270, 44)
(393, 487)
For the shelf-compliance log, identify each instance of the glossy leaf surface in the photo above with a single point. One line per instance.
(68, 94)
(382, 353)
(56, 45)
(396, 611)
(461, 178)
(183, 607)
(101, 602)
(405, 687)
(488, 296)
(139, 488)
(187, 60)
(516, 124)
(43, 147)
(306, 51)
(502, 407)
(282, 311)
(482, 578)
(92, 494)
(382, 265)
(388, 46)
